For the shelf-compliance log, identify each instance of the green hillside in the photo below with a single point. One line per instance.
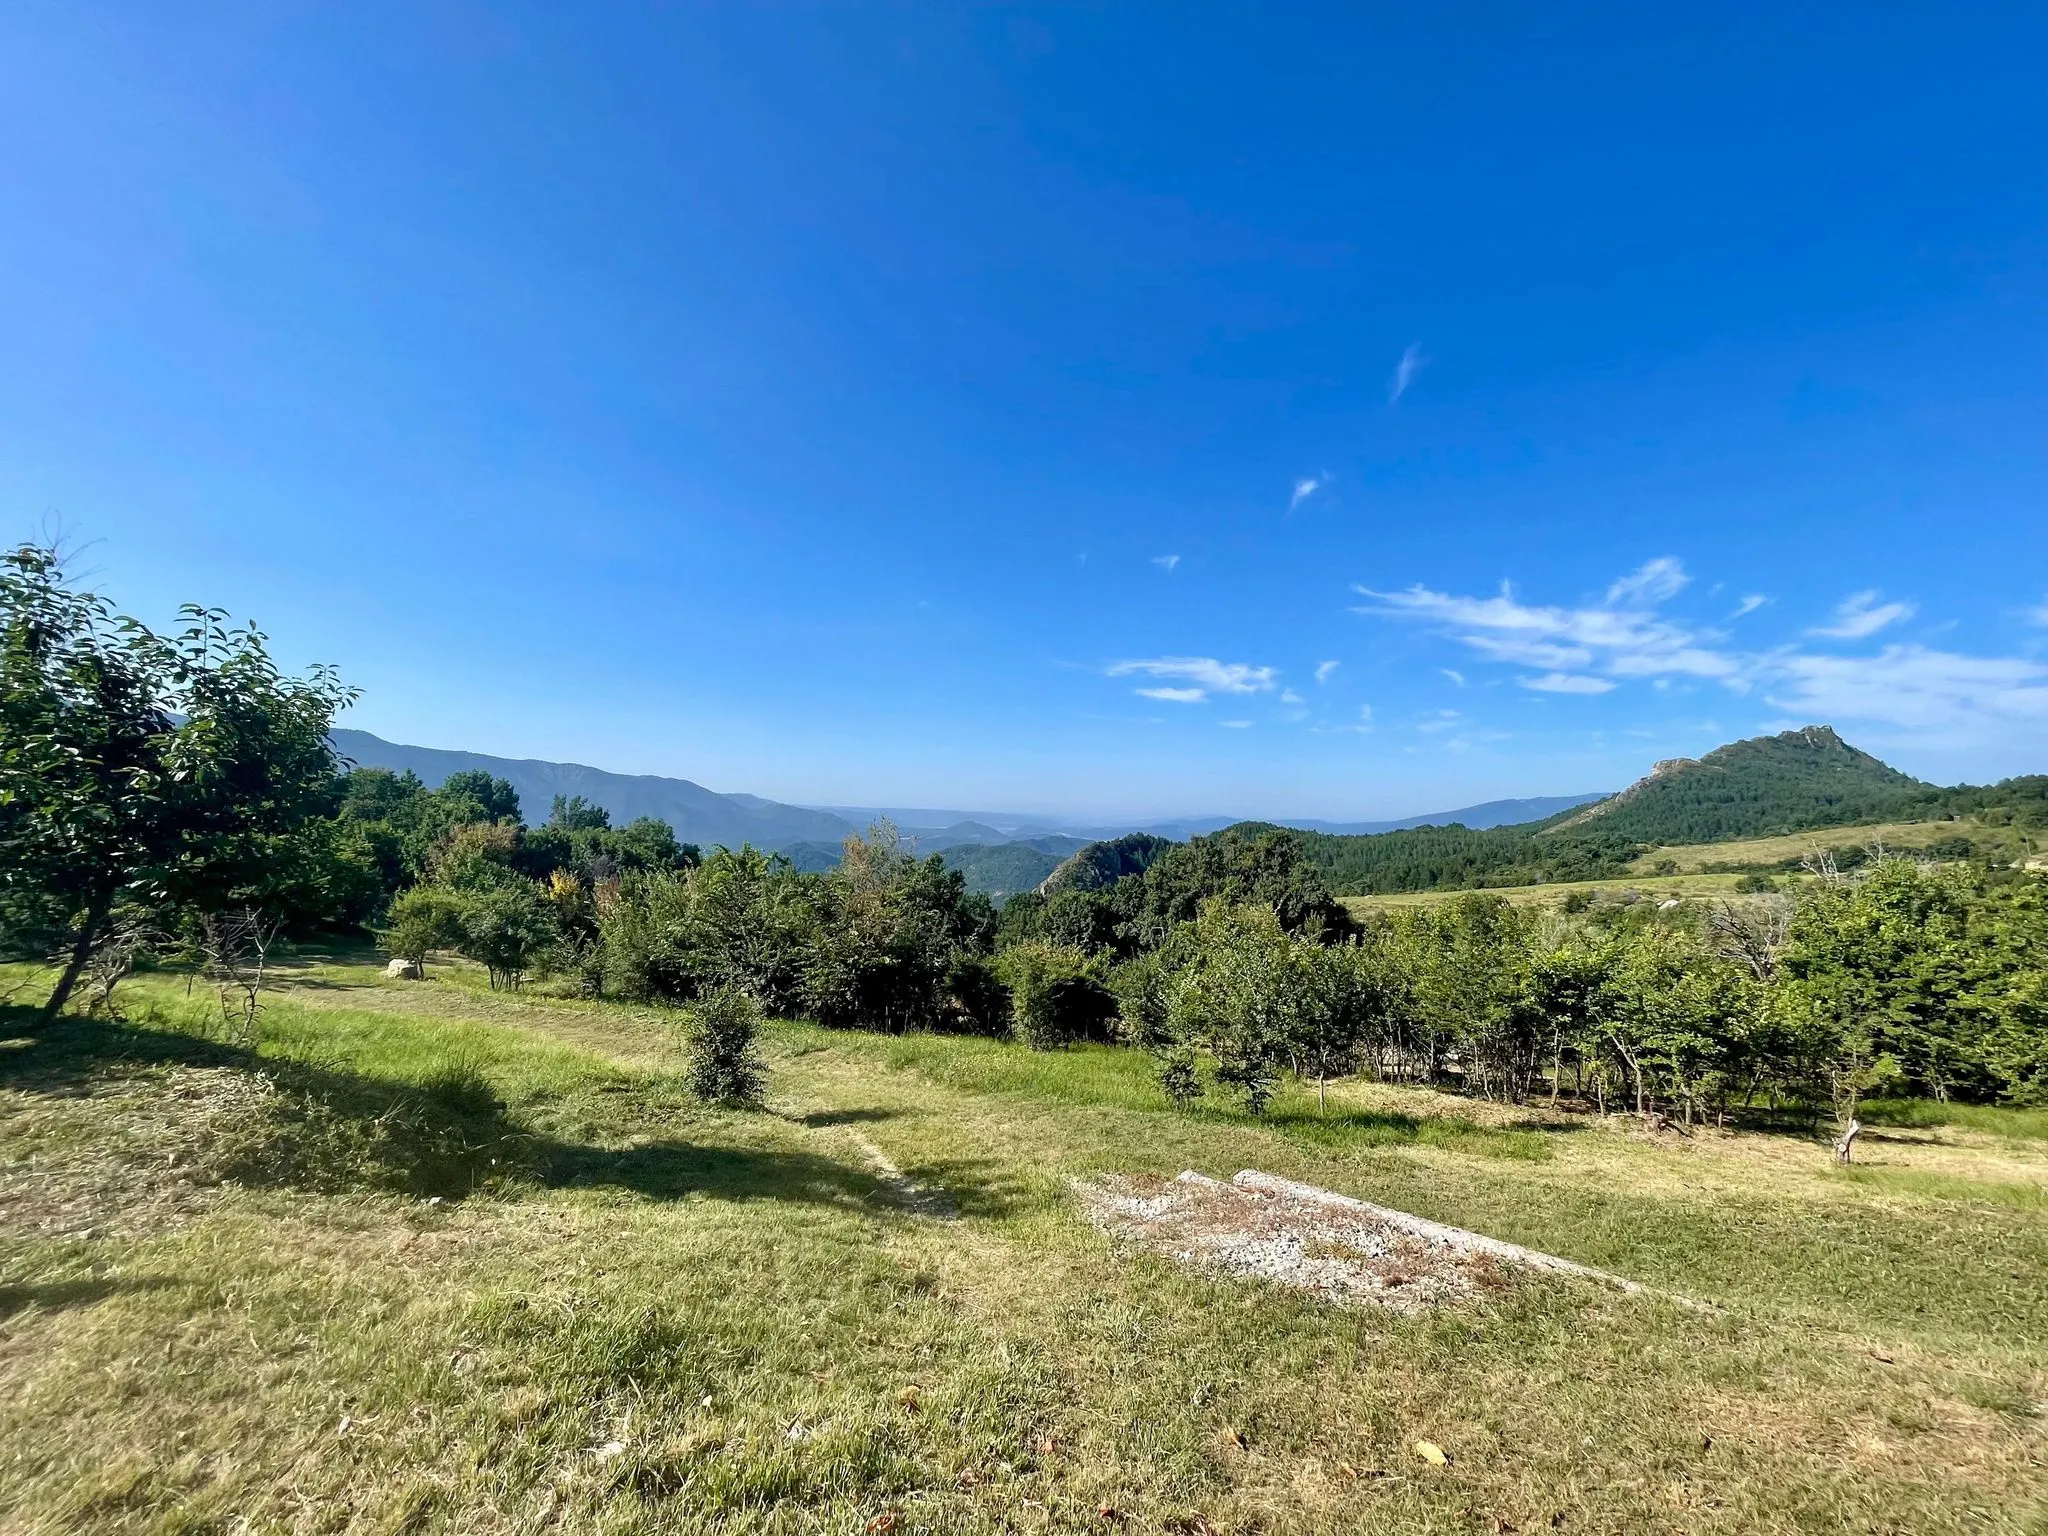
(1001, 869)
(1767, 786)
(1101, 865)
(1771, 786)
(1463, 858)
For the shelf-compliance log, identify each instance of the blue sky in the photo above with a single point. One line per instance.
(1332, 411)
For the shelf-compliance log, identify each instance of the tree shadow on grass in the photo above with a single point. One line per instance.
(326, 1129)
(818, 1119)
(58, 1295)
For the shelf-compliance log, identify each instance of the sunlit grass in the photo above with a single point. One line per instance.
(475, 1263)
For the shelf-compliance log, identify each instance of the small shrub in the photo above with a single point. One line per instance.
(1057, 995)
(980, 1000)
(721, 1063)
(422, 919)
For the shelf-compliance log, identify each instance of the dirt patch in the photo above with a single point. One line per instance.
(1343, 1256)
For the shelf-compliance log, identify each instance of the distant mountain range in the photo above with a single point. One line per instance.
(811, 834)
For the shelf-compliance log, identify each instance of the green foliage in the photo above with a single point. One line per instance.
(1234, 985)
(173, 773)
(1058, 994)
(1000, 869)
(573, 813)
(1101, 865)
(1247, 863)
(481, 796)
(423, 919)
(891, 929)
(1795, 782)
(507, 928)
(721, 1061)
(1792, 782)
(1458, 857)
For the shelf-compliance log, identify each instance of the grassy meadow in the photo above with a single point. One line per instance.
(430, 1259)
(1904, 836)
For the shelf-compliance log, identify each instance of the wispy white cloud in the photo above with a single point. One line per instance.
(1166, 562)
(1590, 650)
(1442, 720)
(1913, 687)
(1325, 668)
(1289, 696)
(1651, 582)
(1235, 725)
(2039, 615)
(1405, 371)
(1748, 605)
(1568, 682)
(1363, 727)
(1305, 488)
(1861, 614)
(1454, 675)
(1205, 673)
(1624, 637)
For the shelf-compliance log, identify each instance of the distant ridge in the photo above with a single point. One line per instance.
(699, 815)
(812, 834)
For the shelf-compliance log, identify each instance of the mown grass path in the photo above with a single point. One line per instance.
(436, 1260)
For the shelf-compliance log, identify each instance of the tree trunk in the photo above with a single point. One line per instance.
(81, 952)
(1845, 1147)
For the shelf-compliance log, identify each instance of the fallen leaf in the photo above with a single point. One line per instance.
(1432, 1453)
(887, 1520)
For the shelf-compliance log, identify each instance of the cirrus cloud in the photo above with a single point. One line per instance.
(1200, 675)
(1860, 614)
(1592, 649)
(1568, 682)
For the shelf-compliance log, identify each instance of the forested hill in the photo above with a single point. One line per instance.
(1797, 781)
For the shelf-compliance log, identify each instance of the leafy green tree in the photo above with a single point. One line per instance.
(507, 929)
(1245, 864)
(1679, 1018)
(1057, 994)
(481, 796)
(1474, 993)
(175, 772)
(573, 813)
(423, 919)
(1233, 988)
(1343, 1010)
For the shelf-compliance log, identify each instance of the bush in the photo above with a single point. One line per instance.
(507, 930)
(1057, 995)
(422, 919)
(980, 1000)
(721, 1063)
